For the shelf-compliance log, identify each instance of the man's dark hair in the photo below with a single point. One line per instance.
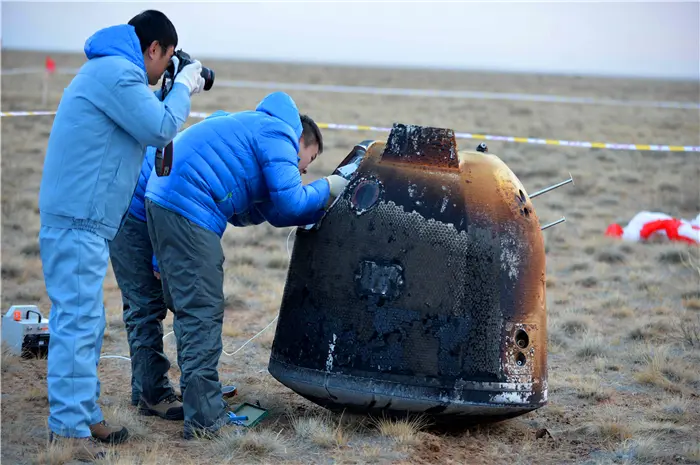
(311, 133)
(153, 25)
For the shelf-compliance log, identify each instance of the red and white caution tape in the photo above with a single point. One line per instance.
(460, 135)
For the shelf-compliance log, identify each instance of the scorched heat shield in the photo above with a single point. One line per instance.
(422, 290)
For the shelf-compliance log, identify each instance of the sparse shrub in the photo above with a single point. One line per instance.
(31, 250)
(689, 331)
(36, 395)
(126, 417)
(600, 364)
(674, 410)
(580, 267)
(592, 388)
(10, 362)
(242, 260)
(575, 325)
(623, 312)
(278, 263)
(692, 452)
(520, 111)
(657, 330)
(608, 427)
(658, 427)
(591, 346)
(319, 430)
(589, 282)
(667, 187)
(55, 454)
(672, 257)
(402, 431)
(10, 271)
(246, 446)
(231, 329)
(665, 371)
(643, 448)
(611, 256)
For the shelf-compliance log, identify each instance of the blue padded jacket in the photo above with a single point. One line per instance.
(231, 164)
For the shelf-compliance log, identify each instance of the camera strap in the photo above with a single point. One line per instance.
(164, 160)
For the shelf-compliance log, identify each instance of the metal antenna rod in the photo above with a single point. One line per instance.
(561, 220)
(550, 188)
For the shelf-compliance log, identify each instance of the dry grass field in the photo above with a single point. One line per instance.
(623, 318)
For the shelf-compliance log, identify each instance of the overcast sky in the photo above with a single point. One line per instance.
(660, 39)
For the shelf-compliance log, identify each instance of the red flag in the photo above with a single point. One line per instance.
(50, 65)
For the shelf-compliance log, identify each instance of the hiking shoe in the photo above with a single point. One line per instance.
(169, 409)
(109, 434)
(83, 449)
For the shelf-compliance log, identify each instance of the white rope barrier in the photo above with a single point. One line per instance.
(409, 92)
(458, 135)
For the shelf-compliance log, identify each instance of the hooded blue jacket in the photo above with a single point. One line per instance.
(105, 120)
(233, 164)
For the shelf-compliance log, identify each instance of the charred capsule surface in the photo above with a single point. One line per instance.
(422, 290)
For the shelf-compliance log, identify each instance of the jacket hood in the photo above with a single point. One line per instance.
(119, 41)
(281, 105)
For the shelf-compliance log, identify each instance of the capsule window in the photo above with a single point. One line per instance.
(520, 359)
(365, 195)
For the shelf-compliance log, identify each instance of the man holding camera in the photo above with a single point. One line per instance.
(106, 118)
(232, 168)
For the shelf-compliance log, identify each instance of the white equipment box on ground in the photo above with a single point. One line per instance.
(25, 331)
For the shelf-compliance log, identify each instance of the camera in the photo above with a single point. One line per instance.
(184, 59)
(164, 155)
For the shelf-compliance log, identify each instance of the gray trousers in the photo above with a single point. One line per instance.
(144, 311)
(191, 262)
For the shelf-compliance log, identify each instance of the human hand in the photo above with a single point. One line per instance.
(336, 184)
(191, 76)
(156, 274)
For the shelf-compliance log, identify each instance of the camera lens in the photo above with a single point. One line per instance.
(208, 76)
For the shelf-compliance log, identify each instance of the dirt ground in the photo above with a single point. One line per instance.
(623, 318)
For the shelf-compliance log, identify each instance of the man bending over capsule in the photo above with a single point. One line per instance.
(232, 168)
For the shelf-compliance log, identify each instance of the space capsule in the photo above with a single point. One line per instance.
(422, 289)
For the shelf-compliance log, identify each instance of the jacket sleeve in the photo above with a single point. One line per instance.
(154, 262)
(272, 215)
(250, 218)
(278, 159)
(137, 110)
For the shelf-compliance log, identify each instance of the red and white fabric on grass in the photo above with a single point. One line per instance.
(651, 225)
